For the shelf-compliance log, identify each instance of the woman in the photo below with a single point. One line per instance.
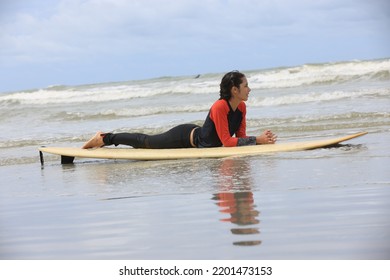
(225, 125)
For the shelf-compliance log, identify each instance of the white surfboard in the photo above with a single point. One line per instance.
(68, 154)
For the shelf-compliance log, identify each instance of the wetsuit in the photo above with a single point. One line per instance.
(218, 130)
(177, 137)
(220, 126)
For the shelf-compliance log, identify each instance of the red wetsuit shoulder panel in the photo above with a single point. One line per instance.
(219, 115)
(228, 122)
(221, 124)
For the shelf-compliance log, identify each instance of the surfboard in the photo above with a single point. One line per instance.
(69, 153)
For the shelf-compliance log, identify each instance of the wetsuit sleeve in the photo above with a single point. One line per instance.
(218, 115)
(251, 140)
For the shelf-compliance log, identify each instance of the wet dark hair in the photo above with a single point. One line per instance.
(231, 79)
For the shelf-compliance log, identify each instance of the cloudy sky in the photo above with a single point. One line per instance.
(71, 42)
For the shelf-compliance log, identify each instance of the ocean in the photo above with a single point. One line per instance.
(321, 204)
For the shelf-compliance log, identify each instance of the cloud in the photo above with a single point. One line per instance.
(215, 33)
(72, 28)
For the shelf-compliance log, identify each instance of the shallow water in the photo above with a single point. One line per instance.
(320, 204)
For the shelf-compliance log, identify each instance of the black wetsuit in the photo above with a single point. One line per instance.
(219, 128)
(177, 137)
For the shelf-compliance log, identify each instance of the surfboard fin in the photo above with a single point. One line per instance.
(41, 158)
(64, 159)
(67, 160)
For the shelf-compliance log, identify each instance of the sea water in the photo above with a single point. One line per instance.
(319, 204)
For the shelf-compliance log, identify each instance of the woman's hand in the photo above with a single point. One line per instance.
(267, 137)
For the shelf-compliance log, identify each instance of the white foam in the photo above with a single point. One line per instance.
(265, 79)
(101, 93)
(315, 97)
(318, 74)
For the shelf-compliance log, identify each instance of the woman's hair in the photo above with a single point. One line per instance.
(231, 79)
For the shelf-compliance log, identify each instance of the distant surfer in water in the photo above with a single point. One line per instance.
(225, 125)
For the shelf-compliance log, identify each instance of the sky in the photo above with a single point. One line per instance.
(74, 42)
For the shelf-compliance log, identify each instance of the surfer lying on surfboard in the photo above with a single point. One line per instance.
(225, 125)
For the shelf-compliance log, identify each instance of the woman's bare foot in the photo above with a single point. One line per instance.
(95, 142)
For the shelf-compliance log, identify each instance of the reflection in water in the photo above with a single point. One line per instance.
(236, 199)
(233, 185)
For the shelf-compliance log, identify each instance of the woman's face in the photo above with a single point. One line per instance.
(243, 91)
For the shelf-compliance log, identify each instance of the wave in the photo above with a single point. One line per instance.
(107, 114)
(278, 78)
(317, 97)
(320, 74)
(310, 124)
(125, 113)
(104, 93)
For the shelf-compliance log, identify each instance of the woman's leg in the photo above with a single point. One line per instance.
(177, 137)
(137, 140)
